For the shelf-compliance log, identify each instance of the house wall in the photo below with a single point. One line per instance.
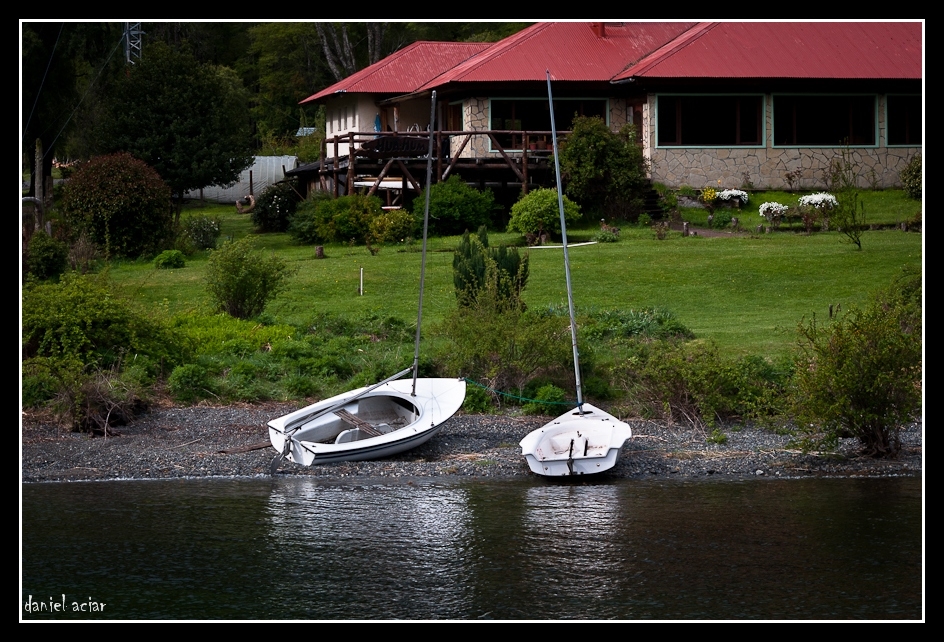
(353, 113)
(766, 167)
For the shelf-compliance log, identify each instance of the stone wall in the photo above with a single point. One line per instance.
(767, 167)
(474, 117)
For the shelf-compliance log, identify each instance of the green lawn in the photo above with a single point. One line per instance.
(747, 294)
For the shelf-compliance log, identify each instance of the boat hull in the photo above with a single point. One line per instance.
(576, 443)
(378, 423)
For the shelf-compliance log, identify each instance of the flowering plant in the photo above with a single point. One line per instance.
(708, 194)
(771, 210)
(728, 194)
(820, 201)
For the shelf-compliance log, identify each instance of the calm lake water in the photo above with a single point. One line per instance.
(299, 549)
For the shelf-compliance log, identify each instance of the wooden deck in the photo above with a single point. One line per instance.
(380, 157)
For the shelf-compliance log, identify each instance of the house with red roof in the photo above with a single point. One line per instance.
(765, 104)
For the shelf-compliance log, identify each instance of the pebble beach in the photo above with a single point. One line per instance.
(232, 442)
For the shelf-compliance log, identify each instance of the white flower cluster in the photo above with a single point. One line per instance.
(820, 200)
(728, 194)
(771, 209)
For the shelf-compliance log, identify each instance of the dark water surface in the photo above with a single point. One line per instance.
(830, 549)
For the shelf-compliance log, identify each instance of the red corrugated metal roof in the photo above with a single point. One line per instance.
(572, 51)
(889, 50)
(404, 71)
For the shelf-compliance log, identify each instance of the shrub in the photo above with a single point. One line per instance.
(303, 226)
(394, 226)
(605, 236)
(477, 400)
(646, 323)
(539, 211)
(189, 383)
(47, 257)
(81, 318)
(720, 219)
(692, 382)
(169, 260)
(549, 400)
(121, 203)
(89, 354)
(241, 281)
(275, 207)
(859, 374)
(504, 349)
(911, 177)
(604, 171)
(454, 207)
(343, 219)
(202, 231)
(93, 399)
(482, 271)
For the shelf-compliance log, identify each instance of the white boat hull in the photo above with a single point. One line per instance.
(576, 443)
(383, 422)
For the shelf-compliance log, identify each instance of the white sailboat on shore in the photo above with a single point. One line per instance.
(585, 440)
(376, 421)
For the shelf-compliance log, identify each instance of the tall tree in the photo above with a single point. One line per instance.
(63, 68)
(289, 66)
(187, 120)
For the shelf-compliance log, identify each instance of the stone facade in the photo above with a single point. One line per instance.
(474, 118)
(767, 167)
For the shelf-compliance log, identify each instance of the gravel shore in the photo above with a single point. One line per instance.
(232, 441)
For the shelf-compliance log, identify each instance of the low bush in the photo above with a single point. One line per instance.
(275, 207)
(691, 382)
(549, 400)
(189, 383)
(605, 236)
(454, 207)
(81, 318)
(47, 257)
(911, 177)
(646, 323)
(503, 349)
(201, 231)
(859, 374)
(394, 226)
(169, 260)
(242, 281)
(344, 219)
(538, 212)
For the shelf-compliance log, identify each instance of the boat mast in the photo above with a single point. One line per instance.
(560, 206)
(429, 179)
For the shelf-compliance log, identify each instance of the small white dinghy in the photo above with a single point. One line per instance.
(581, 441)
(368, 423)
(585, 440)
(375, 421)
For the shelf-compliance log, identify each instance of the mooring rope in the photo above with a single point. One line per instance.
(508, 394)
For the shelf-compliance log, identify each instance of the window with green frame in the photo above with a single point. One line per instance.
(820, 120)
(534, 115)
(709, 121)
(904, 120)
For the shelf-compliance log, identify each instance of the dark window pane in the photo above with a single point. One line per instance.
(904, 120)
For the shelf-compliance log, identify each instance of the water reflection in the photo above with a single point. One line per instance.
(387, 552)
(522, 550)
